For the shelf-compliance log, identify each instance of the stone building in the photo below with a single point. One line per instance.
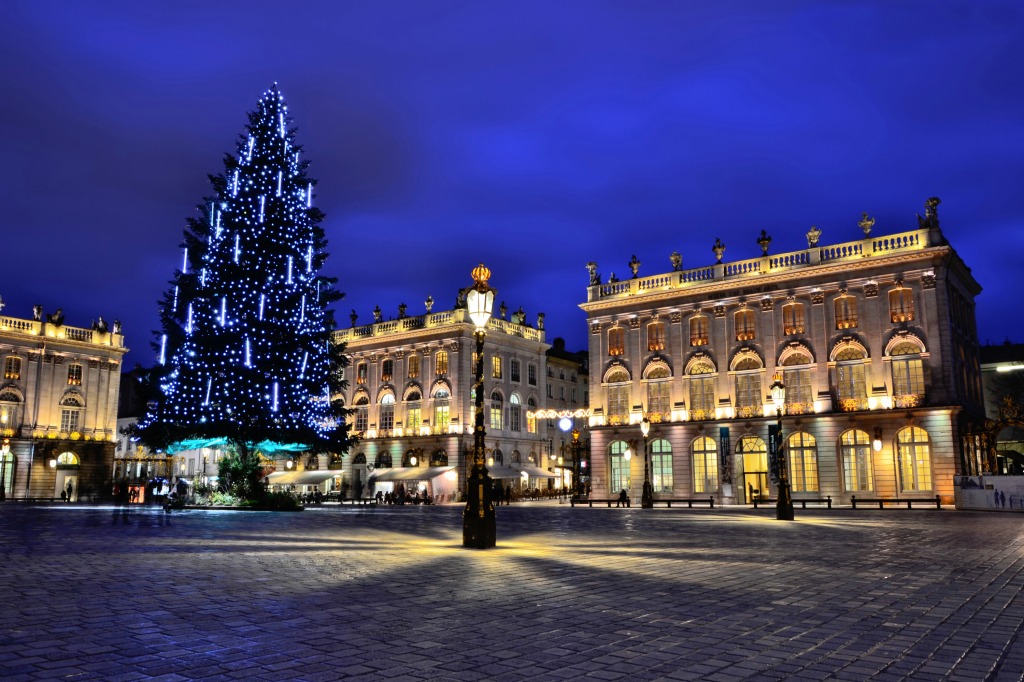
(874, 339)
(58, 406)
(410, 383)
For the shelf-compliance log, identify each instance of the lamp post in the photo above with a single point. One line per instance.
(784, 505)
(478, 527)
(577, 484)
(647, 496)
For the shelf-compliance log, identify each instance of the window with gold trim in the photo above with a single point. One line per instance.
(12, 368)
(699, 330)
(901, 305)
(656, 336)
(441, 362)
(616, 341)
(745, 325)
(846, 312)
(793, 318)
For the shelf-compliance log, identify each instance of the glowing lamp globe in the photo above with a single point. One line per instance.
(480, 298)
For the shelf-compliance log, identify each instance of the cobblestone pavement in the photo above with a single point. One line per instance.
(606, 594)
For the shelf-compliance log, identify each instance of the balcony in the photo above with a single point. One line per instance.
(852, 404)
(698, 340)
(745, 336)
(905, 315)
(618, 350)
(701, 415)
(749, 411)
(799, 408)
(790, 329)
(656, 345)
(908, 400)
(848, 323)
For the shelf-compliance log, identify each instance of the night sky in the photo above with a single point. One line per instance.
(532, 136)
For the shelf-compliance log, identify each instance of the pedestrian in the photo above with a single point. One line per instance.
(508, 494)
(70, 490)
(623, 500)
(63, 495)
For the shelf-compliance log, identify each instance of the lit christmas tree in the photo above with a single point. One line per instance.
(245, 357)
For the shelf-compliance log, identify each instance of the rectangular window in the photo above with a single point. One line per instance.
(531, 422)
(901, 305)
(8, 416)
(745, 325)
(803, 462)
(413, 419)
(12, 368)
(851, 388)
(705, 467)
(656, 336)
(69, 420)
(572, 395)
(702, 397)
(619, 479)
(798, 391)
(441, 362)
(531, 375)
(414, 366)
(748, 395)
(74, 375)
(857, 468)
(793, 318)
(846, 312)
(659, 400)
(907, 378)
(361, 419)
(616, 341)
(441, 419)
(549, 390)
(387, 417)
(496, 367)
(514, 417)
(618, 404)
(496, 416)
(387, 370)
(513, 369)
(561, 392)
(361, 373)
(699, 331)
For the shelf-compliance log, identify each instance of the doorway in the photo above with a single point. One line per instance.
(755, 468)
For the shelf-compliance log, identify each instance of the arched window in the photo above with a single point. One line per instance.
(10, 411)
(705, 465)
(659, 393)
(915, 461)
(618, 462)
(387, 412)
(793, 318)
(702, 390)
(661, 465)
(439, 458)
(855, 450)
(383, 460)
(516, 458)
(797, 378)
(498, 457)
(851, 382)
(803, 462)
(616, 341)
(907, 375)
(515, 413)
(497, 403)
(531, 418)
(412, 458)
(442, 416)
(745, 330)
(618, 397)
(656, 336)
(70, 413)
(67, 459)
(413, 415)
(749, 402)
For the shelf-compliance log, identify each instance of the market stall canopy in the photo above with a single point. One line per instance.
(409, 473)
(300, 477)
(537, 472)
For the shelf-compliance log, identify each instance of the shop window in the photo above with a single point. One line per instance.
(705, 465)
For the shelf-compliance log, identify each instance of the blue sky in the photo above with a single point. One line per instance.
(532, 136)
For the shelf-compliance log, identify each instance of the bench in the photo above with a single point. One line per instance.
(573, 501)
(710, 501)
(802, 502)
(881, 501)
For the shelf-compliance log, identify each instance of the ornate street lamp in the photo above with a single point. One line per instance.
(784, 505)
(647, 496)
(478, 528)
(577, 484)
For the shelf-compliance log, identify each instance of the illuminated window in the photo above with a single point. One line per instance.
(851, 385)
(803, 461)
(496, 367)
(10, 404)
(659, 394)
(441, 362)
(387, 370)
(531, 419)
(749, 401)
(745, 325)
(699, 330)
(69, 420)
(793, 318)
(616, 341)
(855, 449)
(361, 372)
(74, 375)
(12, 368)
(496, 409)
(907, 375)
(515, 412)
(513, 369)
(362, 413)
(387, 412)
(846, 312)
(442, 417)
(901, 304)
(618, 397)
(413, 364)
(661, 465)
(618, 465)
(413, 416)
(702, 391)
(705, 465)
(915, 463)
(656, 336)
(797, 378)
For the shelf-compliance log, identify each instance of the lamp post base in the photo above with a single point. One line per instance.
(647, 496)
(478, 526)
(784, 505)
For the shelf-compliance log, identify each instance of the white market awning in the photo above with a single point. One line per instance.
(537, 472)
(300, 477)
(409, 473)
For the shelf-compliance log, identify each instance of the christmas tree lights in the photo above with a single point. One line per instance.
(246, 341)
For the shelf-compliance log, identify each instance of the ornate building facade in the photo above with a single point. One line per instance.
(58, 406)
(875, 341)
(410, 383)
